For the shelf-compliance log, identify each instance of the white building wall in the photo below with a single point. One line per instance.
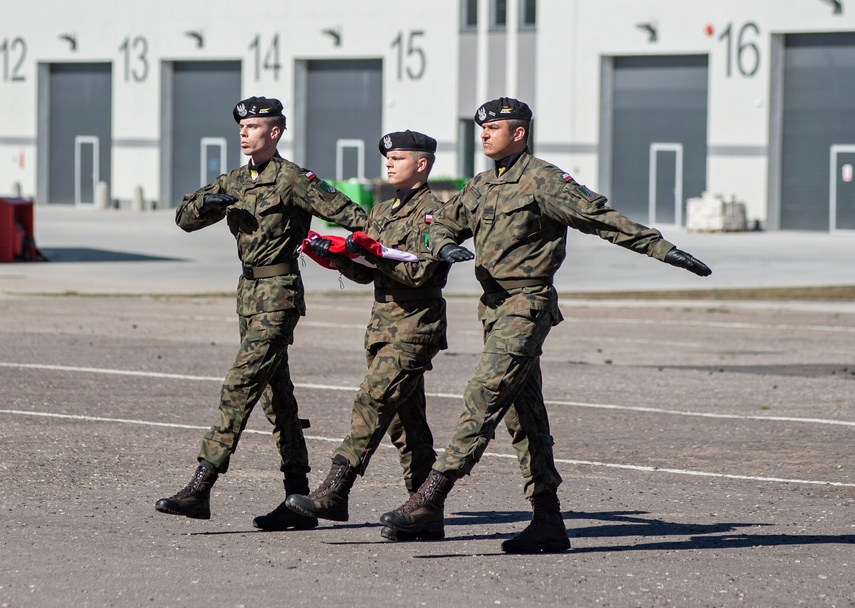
(574, 36)
(422, 86)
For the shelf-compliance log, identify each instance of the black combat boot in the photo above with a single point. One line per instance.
(283, 518)
(422, 515)
(329, 501)
(194, 500)
(545, 533)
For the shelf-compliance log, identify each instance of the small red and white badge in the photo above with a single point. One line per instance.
(567, 177)
(310, 175)
(428, 218)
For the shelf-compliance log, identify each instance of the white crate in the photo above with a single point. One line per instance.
(714, 213)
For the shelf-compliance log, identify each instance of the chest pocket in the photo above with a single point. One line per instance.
(473, 202)
(270, 203)
(522, 215)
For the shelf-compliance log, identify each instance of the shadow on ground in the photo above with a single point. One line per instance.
(85, 254)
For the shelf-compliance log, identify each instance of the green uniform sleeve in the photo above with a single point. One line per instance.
(451, 225)
(192, 215)
(580, 208)
(322, 200)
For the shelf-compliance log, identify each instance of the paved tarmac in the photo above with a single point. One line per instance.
(706, 447)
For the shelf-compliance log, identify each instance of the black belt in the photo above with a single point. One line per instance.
(498, 285)
(404, 295)
(265, 272)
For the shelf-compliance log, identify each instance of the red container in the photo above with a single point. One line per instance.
(17, 240)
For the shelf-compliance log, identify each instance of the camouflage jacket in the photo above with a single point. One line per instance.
(269, 223)
(417, 321)
(519, 221)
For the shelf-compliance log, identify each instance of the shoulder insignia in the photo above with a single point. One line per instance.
(327, 187)
(567, 177)
(428, 218)
(310, 175)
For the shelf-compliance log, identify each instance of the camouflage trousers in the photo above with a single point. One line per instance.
(260, 374)
(391, 399)
(507, 383)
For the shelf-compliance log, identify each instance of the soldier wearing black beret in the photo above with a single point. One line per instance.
(407, 141)
(268, 205)
(504, 108)
(518, 213)
(406, 331)
(258, 107)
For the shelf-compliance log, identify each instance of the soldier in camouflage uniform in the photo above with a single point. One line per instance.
(406, 330)
(518, 214)
(268, 205)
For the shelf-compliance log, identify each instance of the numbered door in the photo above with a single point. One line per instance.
(343, 115)
(203, 141)
(841, 205)
(79, 136)
(660, 108)
(818, 89)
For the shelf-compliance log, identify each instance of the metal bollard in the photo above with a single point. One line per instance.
(137, 203)
(102, 195)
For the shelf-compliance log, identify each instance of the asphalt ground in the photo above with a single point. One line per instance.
(706, 446)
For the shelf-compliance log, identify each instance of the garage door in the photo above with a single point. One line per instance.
(659, 140)
(79, 140)
(343, 116)
(818, 132)
(204, 138)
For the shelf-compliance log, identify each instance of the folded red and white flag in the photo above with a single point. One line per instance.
(361, 239)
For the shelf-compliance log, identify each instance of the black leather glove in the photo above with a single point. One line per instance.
(455, 253)
(219, 200)
(355, 248)
(321, 247)
(681, 259)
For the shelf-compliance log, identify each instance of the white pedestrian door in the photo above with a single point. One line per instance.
(841, 200)
(212, 159)
(665, 194)
(86, 172)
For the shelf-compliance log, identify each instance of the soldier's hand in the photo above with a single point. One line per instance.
(681, 259)
(355, 248)
(455, 253)
(321, 247)
(219, 200)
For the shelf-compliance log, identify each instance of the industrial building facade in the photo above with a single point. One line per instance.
(650, 102)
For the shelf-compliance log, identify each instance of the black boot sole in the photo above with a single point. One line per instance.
(308, 524)
(390, 533)
(556, 547)
(163, 507)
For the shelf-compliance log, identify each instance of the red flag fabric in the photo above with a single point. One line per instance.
(361, 239)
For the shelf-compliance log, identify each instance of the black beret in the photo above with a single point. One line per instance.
(407, 140)
(257, 106)
(504, 108)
